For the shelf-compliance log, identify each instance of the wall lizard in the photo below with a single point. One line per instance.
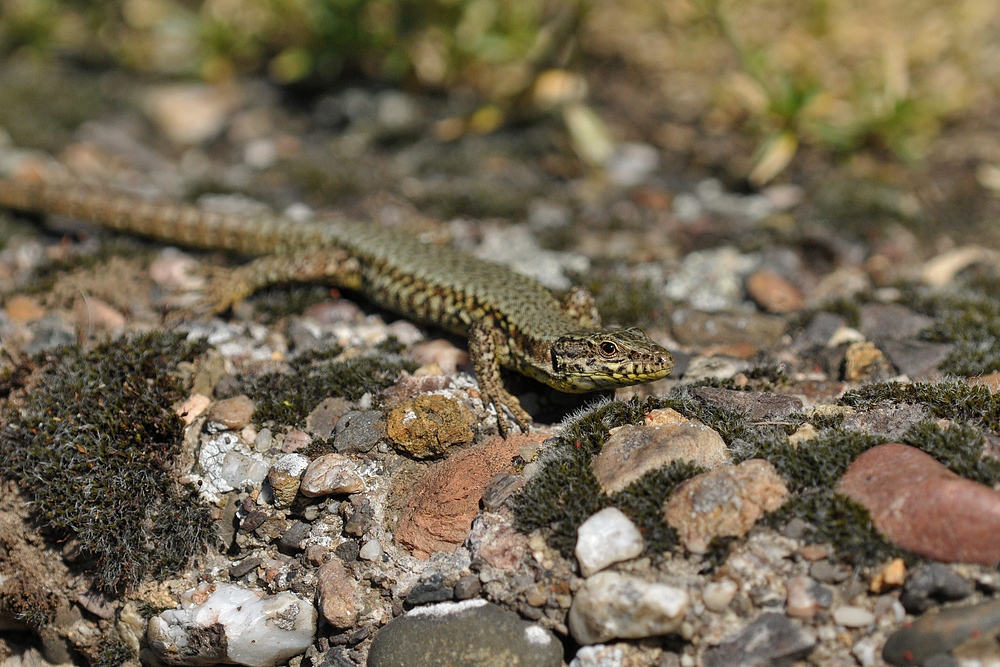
(511, 321)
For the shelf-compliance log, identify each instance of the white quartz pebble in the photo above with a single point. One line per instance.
(227, 623)
(612, 605)
(606, 537)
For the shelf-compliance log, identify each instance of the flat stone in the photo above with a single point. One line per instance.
(773, 293)
(231, 414)
(938, 634)
(612, 605)
(819, 330)
(474, 633)
(851, 616)
(930, 584)
(330, 474)
(439, 515)
(335, 591)
(432, 589)
(772, 639)
(917, 359)
(606, 537)
(358, 431)
(887, 421)
(890, 321)
(924, 507)
(428, 425)
(700, 329)
(724, 502)
(633, 451)
(758, 405)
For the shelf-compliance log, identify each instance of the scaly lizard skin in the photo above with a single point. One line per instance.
(511, 321)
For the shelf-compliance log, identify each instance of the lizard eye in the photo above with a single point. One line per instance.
(608, 348)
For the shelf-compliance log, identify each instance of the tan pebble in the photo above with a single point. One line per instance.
(773, 293)
(800, 602)
(91, 313)
(331, 474)
(335, 591)
(232, 413)
(814, 552)
(427, 425)
(864, 362)
(804, 433)
(991, 380)
(890, 576)
(632, 451)
(192, 407)
(295, 440)
(662, 417)
(724, 502)
(718, 595)
(23, 309)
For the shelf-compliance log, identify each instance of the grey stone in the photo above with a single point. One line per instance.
(429, 590)
(916, 358)
(772, 639)
(887, 421)
(358, 431)
(829, 573)
(881, 322)
(474, 633)
(938, 634)
(467, 587)
(932, 583)
(758, 405)
(291, 540)
(820, 330)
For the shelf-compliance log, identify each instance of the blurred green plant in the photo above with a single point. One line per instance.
(437, 43)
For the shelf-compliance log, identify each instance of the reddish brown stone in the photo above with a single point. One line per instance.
(924, 507)
(773, 293)
(446, 499)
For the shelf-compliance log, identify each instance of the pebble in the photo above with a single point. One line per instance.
(889, 421)
(192, 408)
(930, 584)
(335, 592)
(724, 502)
(851, 616)
(938, 634)
(631, 163)
(710, 280)
(880, 322)
(801, 599)
(191, 113)
(940, 271)
(446, 499)
(467, 587)
(718, 595)
(432, 589)
(773, 293)
(757, 405)
(771, 639)
(292, 539)
(429, 424)
(924, 507)
(228, 623)
(827, 572)
(863, 362)
(702, 329)
(890, 576)
(917, 359)
(230, 414)
(606, 537)
(324, 417)
(473, 633)
(331, 474)
(284, 478)
(610, 605)
(358, 431)
(632, 451)
(370, 550)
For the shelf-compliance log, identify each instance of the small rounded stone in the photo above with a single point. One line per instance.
(330, 474)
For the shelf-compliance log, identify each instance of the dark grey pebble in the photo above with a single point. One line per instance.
(358, 431)
(291, 541)
(757, 405)
(938, 634)
(429, 590)
(771, 639)
(929, 584)
(829, 573)
(474, 633)
(881, 322)
(244, 566)
(467, 587)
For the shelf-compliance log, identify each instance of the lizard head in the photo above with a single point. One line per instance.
(593, 360)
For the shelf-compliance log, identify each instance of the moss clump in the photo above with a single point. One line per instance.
(288, 398)
(92, 446)
(274, 303)
(565, 493)
(959, 446)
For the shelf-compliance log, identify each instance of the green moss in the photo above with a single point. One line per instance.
(818, 464)
(275, 303)
(288, 398)
(92, 446)
(959, 446)
(565, 492)
(114, 653)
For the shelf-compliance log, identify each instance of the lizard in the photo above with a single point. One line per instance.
(510, 320)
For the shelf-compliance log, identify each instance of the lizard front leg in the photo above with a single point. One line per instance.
(484, 347)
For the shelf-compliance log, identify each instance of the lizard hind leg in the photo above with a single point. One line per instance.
(331, 265)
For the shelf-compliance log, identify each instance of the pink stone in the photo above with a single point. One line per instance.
(924, 507)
